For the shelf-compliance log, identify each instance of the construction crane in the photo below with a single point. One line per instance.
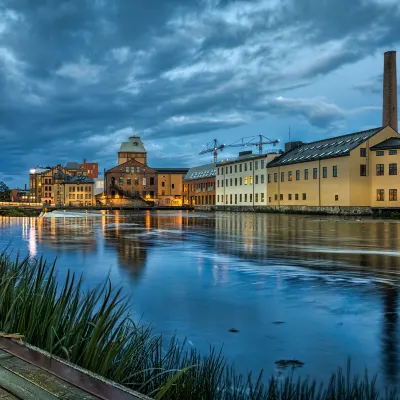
(214, 146)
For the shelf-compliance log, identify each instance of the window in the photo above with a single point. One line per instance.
(255, 165)
(324, 172)
(363, 170)
(226, 182)
(392, 152)
(240, 197)
(297, 175)
(230, 182)
(282, 176)
(275, 177)
(306, 174)
(144, 181)
(276, 197)
(380, 169)
(235, 198)
(231, 198)
(334, 171)
(136, 181)
(392, 194)
(281, 196)
(262, 178)
(218, 174)
(235, 181)
(240, 181)
(290, 176)
(245, 180)
(380, 195)
(128, 181)
(226, 199)
(137, 170)
(245, 166)
(289, 196)
(393, 169)
(304, 196)
(152, 181)
(270, 199)
(222, 183)
(251, 165)
(296, 196)
(235, 167)
(251, 197)
(240, 167)
(269, 178)
(127, 169)
(262, 164)
(363, 152)
(121, 180)
(315, 173)
(218, 183)
(163, 184)
(262, 197)
(256, 197)
(230, 169)
(380, 153)
(218, 195)
(256, 182)
(336, 197)
(251, 180)
(245, 198)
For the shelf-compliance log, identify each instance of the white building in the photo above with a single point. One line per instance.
(243, 181)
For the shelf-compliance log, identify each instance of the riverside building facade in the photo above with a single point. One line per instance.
(199, 186)
(354, 170)
(243, 181)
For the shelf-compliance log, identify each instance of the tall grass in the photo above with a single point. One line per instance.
(94, 330)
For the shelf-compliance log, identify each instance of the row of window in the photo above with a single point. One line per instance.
(241, 180)
(136, 181)
(380, 169)
(382, 152)
(78, 196)
(233, 199)
(132, 170)
(296, 197)
(234, 168)
(80, 188)
(380, 195)
(315, 174)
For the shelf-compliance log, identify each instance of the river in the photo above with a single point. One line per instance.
(315, 289)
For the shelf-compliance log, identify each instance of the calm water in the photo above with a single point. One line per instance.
(331, 283)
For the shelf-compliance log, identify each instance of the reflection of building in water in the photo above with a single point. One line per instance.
(313, 242)
(390, 359)
(67, 233)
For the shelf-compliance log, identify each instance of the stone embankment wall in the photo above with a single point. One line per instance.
(291, 209)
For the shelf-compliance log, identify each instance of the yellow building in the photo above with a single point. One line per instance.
(335, 172)
(170, 186)
(132, 150)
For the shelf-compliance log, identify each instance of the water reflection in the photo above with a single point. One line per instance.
(334, 281)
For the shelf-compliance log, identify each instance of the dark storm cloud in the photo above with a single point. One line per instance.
(71, 71)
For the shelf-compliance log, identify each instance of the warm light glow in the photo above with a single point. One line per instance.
(32, 171)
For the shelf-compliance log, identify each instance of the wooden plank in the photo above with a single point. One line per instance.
(21, 388)
(44, 380)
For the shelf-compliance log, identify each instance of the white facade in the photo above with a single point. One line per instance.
(243, 181)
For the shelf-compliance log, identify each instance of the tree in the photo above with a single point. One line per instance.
(4, 192)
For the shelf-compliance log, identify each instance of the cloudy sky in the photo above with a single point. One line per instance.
(78, 77)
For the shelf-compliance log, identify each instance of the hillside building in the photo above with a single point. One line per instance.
(243, 181)
(199, 185)
(354, 170)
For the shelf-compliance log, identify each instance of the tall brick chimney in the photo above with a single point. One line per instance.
(389, 116)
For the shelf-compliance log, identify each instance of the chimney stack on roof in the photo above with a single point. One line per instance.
(389, 116)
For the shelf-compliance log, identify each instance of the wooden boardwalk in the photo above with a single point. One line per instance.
(27, 373)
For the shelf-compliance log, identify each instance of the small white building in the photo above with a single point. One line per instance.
(243, 181)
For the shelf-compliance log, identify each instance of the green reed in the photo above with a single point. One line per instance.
(94, 330)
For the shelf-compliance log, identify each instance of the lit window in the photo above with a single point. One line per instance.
(380, 169)
(392, 194)
(290, 176)
(251, 180)
(392, 152)
(245, 180)
(380, 153)
(380, 195)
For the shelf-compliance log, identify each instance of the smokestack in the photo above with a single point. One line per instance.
(390, 91)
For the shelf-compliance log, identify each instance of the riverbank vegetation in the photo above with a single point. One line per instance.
(19, 212)
(94, 330)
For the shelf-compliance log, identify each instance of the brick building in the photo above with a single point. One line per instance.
(199, 185)
(132, 180)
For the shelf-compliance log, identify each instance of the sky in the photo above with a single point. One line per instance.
(79, 77)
